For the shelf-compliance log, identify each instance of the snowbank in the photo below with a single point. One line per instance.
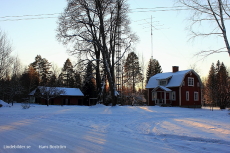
(4, 104)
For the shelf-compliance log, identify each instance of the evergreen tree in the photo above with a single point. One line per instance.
(67, 75)
(42, 66)
(217, 86)
(132, 71)
(78, 83)
(222, 86)
(29, 79)
(89, 87)
(53, 81)
(154, 68)
(211, 87)
(218, 66)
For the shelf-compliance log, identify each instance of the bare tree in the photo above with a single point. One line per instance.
(95, 27)
(16, 67)
(14, 88)
(55, 69)
(195, 68)
(5, 57)
(48, 93)
(209, 11)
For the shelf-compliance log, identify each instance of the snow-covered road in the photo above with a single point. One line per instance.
(113, 129)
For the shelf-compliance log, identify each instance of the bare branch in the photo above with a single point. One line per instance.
(215, 11)
(206, 53)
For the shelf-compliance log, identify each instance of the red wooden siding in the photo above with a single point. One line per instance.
(151, 102)
(191, 89)
(176, 101)
(62, 100)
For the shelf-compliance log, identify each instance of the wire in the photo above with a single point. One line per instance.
(28, 15)
(40, 16)
(28, 19)
(140, 10)
(25, 17)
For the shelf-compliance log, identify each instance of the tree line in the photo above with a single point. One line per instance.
(16, 84)
(217, 86)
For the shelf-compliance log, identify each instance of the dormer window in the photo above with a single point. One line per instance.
(190, 81)
(162, 82)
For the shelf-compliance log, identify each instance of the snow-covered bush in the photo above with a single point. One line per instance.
(4, 104)
(25, 105)
(134, 99)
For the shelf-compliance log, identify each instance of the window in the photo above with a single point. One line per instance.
(196, 96)
(187, 95)
(154, 95)
(173, 95)
(190, 81)
(198, 84)
(163, 82)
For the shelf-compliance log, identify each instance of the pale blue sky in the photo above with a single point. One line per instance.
(170, 43)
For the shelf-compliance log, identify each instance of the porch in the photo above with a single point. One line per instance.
(162, 95)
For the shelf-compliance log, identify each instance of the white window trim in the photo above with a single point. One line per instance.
(189, 81)
(196, 98)
(166, 82)
(154, 95)
(187, 95)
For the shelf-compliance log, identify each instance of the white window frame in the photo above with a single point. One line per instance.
(196, 96)
(190, 81)
(154, 95)
(174, 95)
(163, 82)
(187, 95)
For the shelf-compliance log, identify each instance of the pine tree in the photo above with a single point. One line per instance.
(211, 87)
(29, 79)
(154, 67)
(132, 71)
(89, 87)
(78, 83)
(67, 75)
(217, 86)
(52, 81)
(222, 86)
(42, 66)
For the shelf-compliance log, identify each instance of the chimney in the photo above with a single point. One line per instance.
(175, 69)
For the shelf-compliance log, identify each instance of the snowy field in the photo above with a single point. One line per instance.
(119, 129)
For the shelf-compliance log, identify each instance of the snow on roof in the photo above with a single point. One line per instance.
(163, 88)
(72, 92)
(68, 91)
(175, 79)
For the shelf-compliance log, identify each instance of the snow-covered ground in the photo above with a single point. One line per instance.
(116, 129)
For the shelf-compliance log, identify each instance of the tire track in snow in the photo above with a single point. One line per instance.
(204, 127)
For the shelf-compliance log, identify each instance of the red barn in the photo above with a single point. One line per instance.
(176, 88)
(71, 96)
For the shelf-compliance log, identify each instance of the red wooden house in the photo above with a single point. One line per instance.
(176, 88)
(71, 96)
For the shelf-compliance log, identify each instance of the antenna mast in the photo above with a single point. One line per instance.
(151, 38)
(118, 49)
